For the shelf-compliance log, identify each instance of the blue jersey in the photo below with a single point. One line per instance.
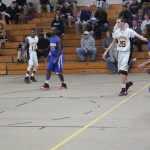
(58, 67)
(149, 48)
(54, 46)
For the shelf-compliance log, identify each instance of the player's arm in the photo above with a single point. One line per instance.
(141, 37)
(109, 48)
(141, 66)
(59, 51)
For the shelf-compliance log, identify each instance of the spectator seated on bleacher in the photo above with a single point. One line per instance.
(66, 14)
(73, 4)
(3, 37)
(31, 13)
(101, 16)
(94, 29)
(146, 7)
(136, 41)
(83, 19)
(43, 46)
(59, 24)
(22, 4)
(134, 7)
(146, 20)
(139, 17)
(3, 8)
(59, 5)
(21, 52)
(12, 13)
(44, 4)
(87, 47)
(126, 14)
(112, 60)
(107, 41)
(103, 4)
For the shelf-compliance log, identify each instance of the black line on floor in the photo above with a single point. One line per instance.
(20, 123)
(61, 118)
(88, 112)
(21, 104)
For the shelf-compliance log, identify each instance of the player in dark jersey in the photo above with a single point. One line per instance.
(146, 33)
(55, 58)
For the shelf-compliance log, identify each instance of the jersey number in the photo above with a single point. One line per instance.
(122, 44)
(33, 48)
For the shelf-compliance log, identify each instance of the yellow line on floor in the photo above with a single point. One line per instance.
(97, 119)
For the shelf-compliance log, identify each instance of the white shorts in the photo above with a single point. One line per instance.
(33, 60)
(123, 61)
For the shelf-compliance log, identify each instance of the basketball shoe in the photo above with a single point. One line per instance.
(27, 80)
(63, 86)
(45, 86)
(123, 92)
(32, 78)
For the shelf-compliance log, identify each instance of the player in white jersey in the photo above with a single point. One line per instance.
(122, 36)
(31, 45)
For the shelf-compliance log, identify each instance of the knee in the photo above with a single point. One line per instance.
(123, 72)
(35, 67)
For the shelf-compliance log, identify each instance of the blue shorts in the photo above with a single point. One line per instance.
(58, 67)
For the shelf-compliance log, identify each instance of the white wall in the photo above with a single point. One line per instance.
(80, 2)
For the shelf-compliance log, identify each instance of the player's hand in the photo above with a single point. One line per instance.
(141, 66)
(47, 59)
(54, 62)
(104, 55)
(112, 59)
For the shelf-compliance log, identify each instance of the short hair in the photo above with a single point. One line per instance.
(33, 29)
(135, 20)
(14, 2)
(122, 19)
(30, 4)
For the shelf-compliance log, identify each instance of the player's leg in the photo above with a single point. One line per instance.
(30, 64)
(50, 68)
(46, 84)
(35, 64)
(58, 69)
(123, 65)
(63, 84)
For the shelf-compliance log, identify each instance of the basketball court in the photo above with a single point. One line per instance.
(89, 115)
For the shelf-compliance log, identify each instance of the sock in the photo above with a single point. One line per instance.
(32, 74)
(47, 81)
(27, 75)
(123, 86)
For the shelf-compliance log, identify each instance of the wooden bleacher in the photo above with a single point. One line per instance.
(71, 40)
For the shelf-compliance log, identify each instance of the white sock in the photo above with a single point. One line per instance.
(123, 86)
(27, 75)
(47, 81)
(32, 74)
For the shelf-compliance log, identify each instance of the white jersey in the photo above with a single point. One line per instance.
(123, 37)
(33, 43)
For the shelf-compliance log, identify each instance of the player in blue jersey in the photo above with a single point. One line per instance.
(146, 33)
(55, 58)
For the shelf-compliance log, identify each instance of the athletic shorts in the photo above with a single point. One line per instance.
(58, 67)
(123, 60)
(32, 58)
